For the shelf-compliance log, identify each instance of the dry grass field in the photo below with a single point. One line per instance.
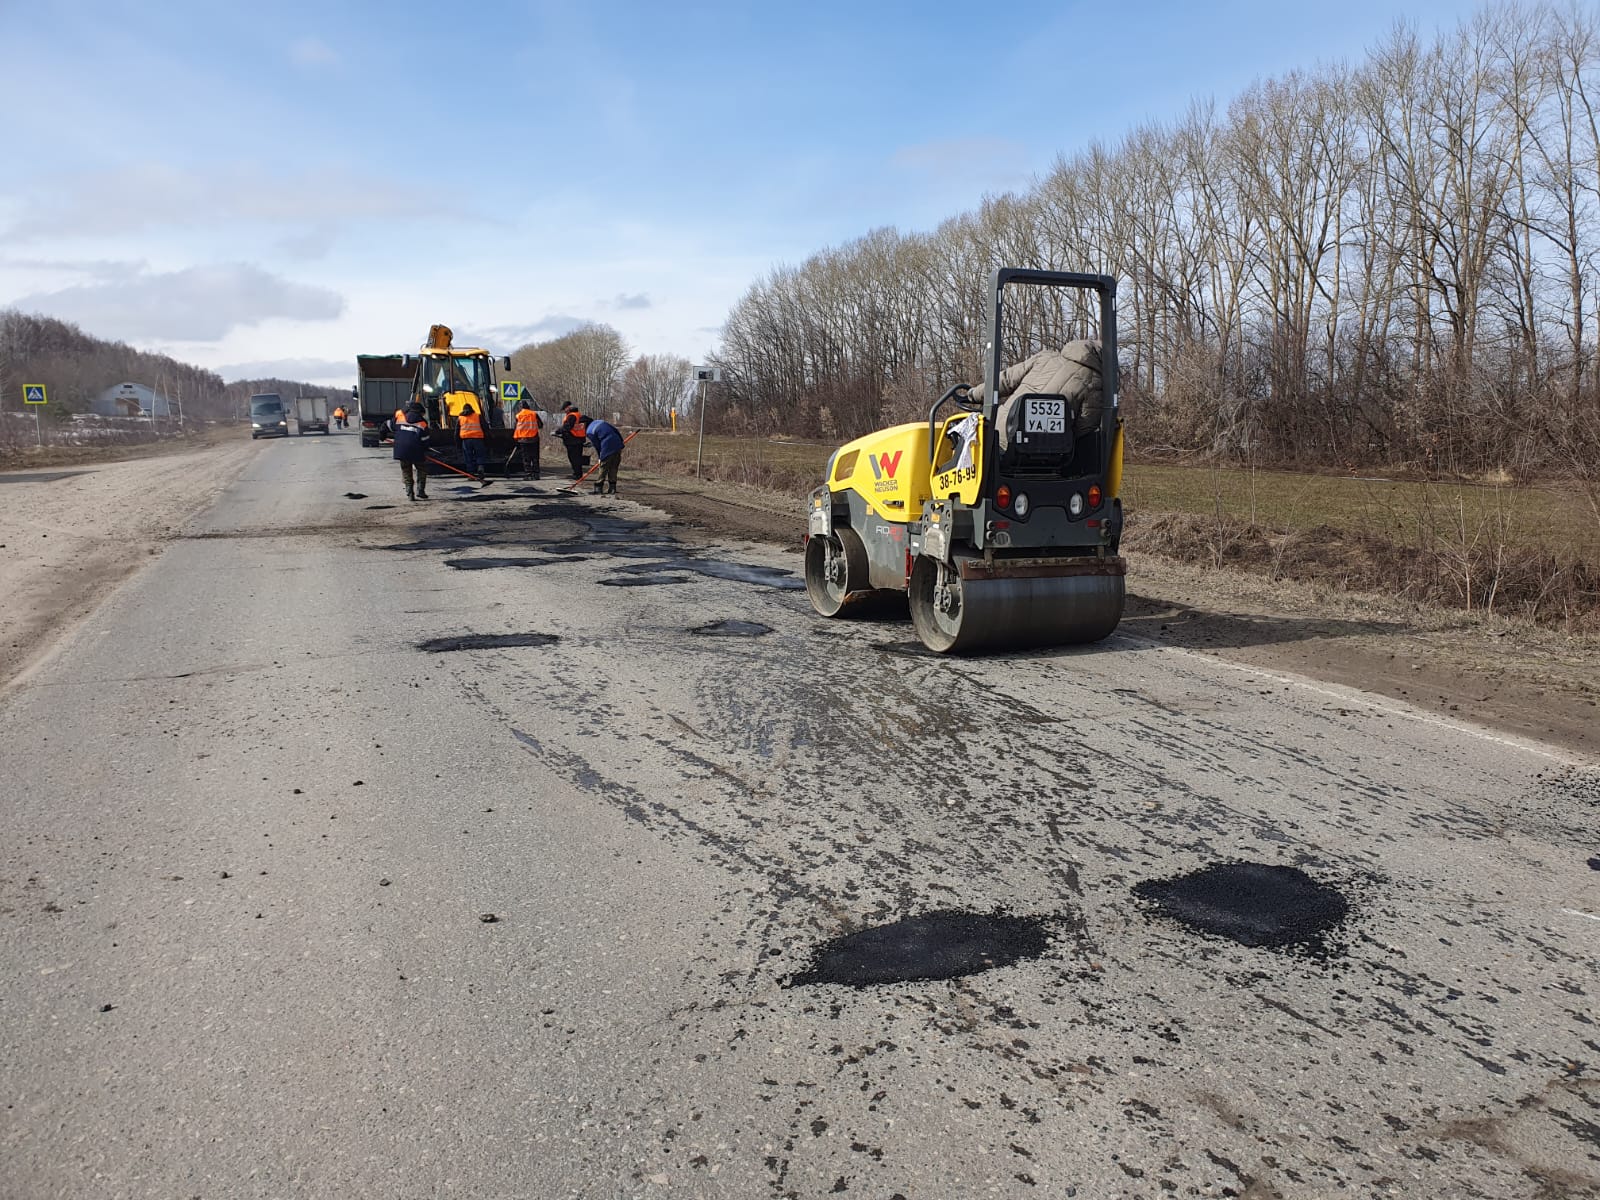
(1530, 551)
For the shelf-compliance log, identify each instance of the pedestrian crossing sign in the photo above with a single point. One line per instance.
(33, 393)
(510, 389)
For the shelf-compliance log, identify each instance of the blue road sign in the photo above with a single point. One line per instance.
(510, 390)
(33, 393)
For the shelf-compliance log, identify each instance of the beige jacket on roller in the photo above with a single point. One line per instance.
(1072, 372)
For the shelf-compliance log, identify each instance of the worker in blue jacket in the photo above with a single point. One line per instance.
(409, 432)
(607, 443)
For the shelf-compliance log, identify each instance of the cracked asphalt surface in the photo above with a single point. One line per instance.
(262, 802)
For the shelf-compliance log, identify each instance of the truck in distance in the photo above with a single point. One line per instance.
(311, 413)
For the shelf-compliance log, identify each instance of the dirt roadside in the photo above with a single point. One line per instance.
(41, 458)
(1487, 671)
(71, 534)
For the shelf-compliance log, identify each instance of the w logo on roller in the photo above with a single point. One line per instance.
(884, 465)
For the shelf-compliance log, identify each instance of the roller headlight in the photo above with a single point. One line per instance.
(1075, 505)
(1020, 504)
(255, 424)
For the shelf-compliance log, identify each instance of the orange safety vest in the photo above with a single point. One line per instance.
(527, 425)
(399, 415)
(580, 426)
(470, 425)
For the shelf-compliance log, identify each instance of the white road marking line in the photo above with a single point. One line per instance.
(1354, 696)
(1572, 912)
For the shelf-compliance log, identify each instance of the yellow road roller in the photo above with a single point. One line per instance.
(998, 518)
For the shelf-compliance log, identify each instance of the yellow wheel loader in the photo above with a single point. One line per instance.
(1000, 520)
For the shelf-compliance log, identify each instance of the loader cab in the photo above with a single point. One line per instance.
(447, 381)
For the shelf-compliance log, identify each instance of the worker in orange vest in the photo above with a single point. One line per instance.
(574, 429)
(526, 437)
(469, 428)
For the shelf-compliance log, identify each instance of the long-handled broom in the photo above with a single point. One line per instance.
(596, 467)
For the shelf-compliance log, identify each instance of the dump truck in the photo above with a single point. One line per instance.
(383, 384)
(994, 541)
(311, 414)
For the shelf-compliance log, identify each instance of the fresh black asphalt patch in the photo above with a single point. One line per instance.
(490, 563)
(737, 629)
(644, 580)
(486, 641)
(1254, 904)
(937, 945)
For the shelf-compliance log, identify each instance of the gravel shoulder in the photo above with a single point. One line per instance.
(69, 535)
(1506, 676)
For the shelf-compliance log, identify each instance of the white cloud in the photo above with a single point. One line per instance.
(307, 369)
(515, 336)
(636, 300)
(197, 304)
(312, 52)
(142, 196)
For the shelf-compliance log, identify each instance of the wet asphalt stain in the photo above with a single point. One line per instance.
(482, 496)
(644, 580)
(733, 629)
(378, 507)
(40, 477)
(1254, 904)
(448, 542)
(1594, 864)
(486, 641)
(355, 495)
(937, 945)
(492, 563)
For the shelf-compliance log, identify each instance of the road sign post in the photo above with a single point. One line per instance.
(702, 377)
(34, 394)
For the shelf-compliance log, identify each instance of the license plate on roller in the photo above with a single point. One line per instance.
(1046, 416)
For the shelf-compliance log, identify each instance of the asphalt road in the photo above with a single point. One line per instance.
(251, 831)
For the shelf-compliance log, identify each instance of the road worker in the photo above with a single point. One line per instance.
(526, 438)
(409, 432)
(608, 444)
(469, 428)
(574, 429)
(1072, 372)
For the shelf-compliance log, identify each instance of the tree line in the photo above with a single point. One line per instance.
(590, 367)
(1393, 262)
(76, 367)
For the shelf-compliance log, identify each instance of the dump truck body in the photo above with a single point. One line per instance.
(311, 414)
(383, 385)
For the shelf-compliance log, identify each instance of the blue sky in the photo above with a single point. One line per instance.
(272, 189)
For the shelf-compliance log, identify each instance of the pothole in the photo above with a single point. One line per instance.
(486, 641)
(937, 945)
(355, 495)
(1254, 904)
(733, 629)
(378, 507)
